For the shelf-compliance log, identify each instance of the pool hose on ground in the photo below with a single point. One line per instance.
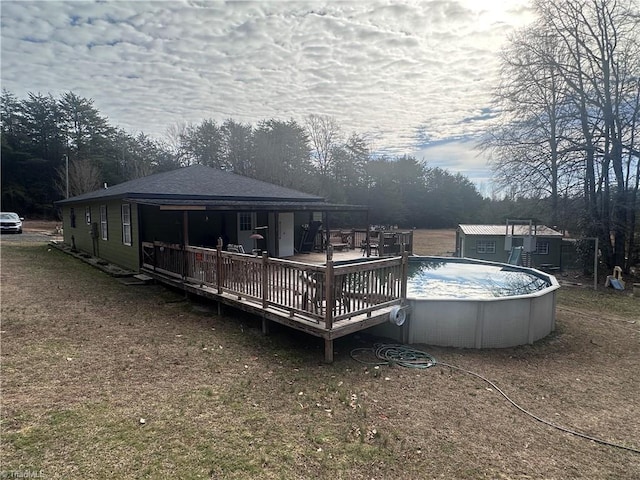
(404, 356)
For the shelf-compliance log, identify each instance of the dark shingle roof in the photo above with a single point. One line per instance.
(197, 182)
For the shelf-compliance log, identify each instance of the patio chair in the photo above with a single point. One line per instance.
(372, 246)
(314, 295)
(233, 248)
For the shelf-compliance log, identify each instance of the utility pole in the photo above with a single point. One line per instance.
(66, 158)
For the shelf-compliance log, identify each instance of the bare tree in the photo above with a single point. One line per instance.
(173, 140)
(602, 40)
(567, 108)
(83, 177)
(529, 152)
(324, 135)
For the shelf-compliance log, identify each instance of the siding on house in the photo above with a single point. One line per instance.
(113, 249)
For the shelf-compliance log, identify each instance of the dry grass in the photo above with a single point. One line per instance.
(85, 357)
(434, 242)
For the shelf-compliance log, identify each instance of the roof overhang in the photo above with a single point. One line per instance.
(244, 205)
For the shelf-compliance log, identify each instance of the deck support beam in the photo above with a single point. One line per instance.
(265, 326)
(328, 350)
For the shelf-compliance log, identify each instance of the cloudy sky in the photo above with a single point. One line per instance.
(414, 77)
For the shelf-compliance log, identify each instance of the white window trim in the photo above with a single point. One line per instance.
(545, 250)
(87, 215)
(104, 224)
(487, 247)
(126, 223)
(245, 222)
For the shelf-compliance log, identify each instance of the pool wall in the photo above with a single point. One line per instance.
(479, 323)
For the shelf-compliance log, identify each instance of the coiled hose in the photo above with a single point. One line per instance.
(404, 356)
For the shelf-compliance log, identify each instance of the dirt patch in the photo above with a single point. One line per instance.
(100, 379)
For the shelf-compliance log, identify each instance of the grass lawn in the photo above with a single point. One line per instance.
(105, 380)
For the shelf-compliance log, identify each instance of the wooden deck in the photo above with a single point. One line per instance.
(320, 296)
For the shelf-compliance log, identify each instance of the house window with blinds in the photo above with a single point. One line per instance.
(104, 234)
(126, 224)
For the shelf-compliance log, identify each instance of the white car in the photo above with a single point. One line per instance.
(10, 222)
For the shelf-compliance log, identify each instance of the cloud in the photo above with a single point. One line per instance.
(402, 73)
(459, 155)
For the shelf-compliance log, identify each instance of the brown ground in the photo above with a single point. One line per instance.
(85, 358)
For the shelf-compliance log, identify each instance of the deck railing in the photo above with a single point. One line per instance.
(384, 242)
(324, 294)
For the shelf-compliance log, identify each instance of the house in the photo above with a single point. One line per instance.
(188, 227)
(541, 245)
(194, 206)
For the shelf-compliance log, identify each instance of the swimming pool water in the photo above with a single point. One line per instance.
(440, 278)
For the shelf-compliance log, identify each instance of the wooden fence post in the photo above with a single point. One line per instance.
(328, 289)
(265, 290)
(265, 280)
(219, 266)
(405, 272)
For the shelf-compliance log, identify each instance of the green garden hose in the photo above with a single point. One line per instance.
(404, 356)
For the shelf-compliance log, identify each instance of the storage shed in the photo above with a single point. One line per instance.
(541, 246)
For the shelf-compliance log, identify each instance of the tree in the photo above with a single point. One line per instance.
(349, 171)
(450, 199)
(281, 154)
(603, 42)
(384, 193)
(529, 146)
(324, 137)
(568, 112)
(89, 136)
(84, 177)
(202, 144)
(236, 141)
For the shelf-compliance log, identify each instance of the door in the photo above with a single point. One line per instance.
(246, 224)
(285, 234)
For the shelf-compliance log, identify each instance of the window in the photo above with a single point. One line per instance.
(245, 222)
(87, 215)
(103, 222)
(486, 246)
(542, 247)
(126, 224)
(72, 217)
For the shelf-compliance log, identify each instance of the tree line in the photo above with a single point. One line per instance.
(45, 139)
(569, 126)
(564, 148)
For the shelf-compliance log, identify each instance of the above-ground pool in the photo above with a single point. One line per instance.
(463, 279)
(462, 302)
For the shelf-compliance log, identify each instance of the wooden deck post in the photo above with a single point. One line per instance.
(328, 290)
(185, 227)
(328, 350)
(219, 265)
(265, 281)
(405, 272)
